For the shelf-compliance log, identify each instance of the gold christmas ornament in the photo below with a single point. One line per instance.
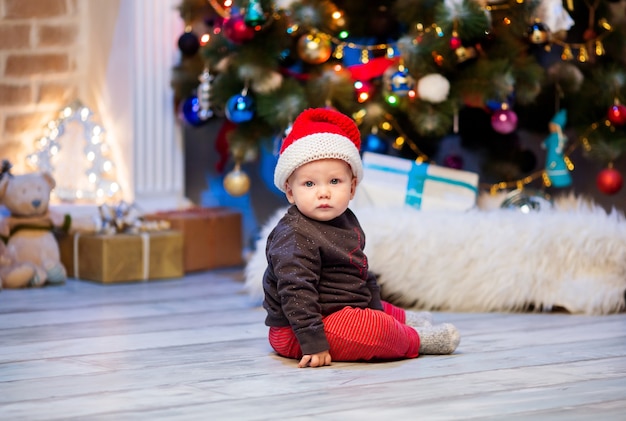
(465, 53)
(237, 182)
(315, 47)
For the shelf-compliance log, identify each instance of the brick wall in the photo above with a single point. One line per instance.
(40, 69)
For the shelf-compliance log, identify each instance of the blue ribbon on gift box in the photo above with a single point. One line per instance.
(417, 177)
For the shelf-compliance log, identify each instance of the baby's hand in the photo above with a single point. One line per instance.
(315, 360)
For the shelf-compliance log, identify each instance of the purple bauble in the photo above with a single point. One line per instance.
(453, 161)
(504, 121)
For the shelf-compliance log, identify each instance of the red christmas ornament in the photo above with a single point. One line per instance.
(237, 31)
(617, 114)
(455, 42)
(609, 181)
(589, 34)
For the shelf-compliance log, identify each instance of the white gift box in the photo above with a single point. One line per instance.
(390, 181)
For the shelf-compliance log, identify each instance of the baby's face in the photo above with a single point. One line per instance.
(321, 189)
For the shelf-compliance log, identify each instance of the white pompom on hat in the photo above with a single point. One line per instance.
(319, 133)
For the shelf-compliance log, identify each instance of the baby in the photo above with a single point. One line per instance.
(322, 302)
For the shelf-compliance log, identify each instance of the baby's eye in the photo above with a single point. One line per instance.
(308, 183)
(334, 181)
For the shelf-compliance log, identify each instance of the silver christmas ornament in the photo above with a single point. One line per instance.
(204, 95)
(526, 201)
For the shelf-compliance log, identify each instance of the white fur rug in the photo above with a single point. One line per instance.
(572, 257)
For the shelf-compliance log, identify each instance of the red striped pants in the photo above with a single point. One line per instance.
(356, 334)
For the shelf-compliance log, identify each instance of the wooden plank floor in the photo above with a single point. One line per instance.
(196, 349)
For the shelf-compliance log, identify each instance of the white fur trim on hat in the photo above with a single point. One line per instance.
(312, 148)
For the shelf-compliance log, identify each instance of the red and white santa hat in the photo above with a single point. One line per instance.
(319, 133)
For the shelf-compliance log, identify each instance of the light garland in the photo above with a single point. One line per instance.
(579, 50)
(73, 150)
(582, 47)
(583, 140)
(390, 124)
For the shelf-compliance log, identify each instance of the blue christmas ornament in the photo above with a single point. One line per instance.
(373, 143)
(190, 109)
(494, 105)
(240, 108)
(401, 82)
(189, 44)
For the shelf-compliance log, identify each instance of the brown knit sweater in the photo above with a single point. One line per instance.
(315, 269)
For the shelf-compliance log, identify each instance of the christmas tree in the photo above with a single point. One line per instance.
(412, 72)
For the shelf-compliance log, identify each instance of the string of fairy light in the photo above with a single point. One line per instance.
(60, 149)
(401, 138)
(542, 37)
(537, 34)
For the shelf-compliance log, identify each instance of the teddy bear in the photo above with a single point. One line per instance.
(13, 274)
(28, 230)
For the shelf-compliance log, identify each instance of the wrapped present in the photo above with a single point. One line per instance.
(390, 181)
(123, 257)
(212, 236)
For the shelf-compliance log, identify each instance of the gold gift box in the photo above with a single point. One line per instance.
(110, 258)
(212, 236)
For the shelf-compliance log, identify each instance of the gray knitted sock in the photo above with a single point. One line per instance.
(438, 339)
(418, 318)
